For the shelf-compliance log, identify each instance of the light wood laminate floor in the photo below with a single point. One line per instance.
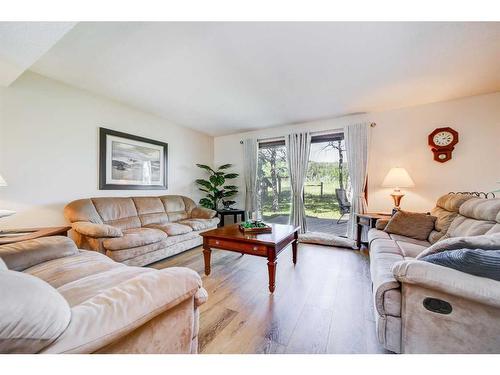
(322, 305)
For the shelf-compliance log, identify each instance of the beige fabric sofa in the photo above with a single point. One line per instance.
(401, 283)
(139, 230)
(56, 298)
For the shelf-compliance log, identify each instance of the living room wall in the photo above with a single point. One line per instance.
(49, 148)
(400, 139)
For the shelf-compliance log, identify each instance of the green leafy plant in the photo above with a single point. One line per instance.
(215, 186)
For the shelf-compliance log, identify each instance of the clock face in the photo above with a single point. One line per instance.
(443, 138)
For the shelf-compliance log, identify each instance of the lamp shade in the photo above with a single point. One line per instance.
(2, 181)
(398, 178)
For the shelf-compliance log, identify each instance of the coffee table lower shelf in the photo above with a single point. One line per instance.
(267, 245)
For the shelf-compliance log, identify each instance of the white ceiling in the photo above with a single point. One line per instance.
(22, 43)
(222, 78)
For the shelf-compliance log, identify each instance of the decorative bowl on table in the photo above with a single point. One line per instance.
(255, 226)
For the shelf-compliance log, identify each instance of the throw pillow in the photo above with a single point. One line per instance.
(33, 313)
(411, 224)
(483, 263)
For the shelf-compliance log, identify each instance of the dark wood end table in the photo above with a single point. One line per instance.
(234, 213)
(8, 236)
(369, 220)
(267, 245)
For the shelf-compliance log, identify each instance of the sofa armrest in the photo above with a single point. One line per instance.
(96, 230)
(202, 213)
(448, 280)
(200, 297)
(25, 254)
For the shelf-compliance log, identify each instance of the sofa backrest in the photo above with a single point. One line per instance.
(446, 211)
(130, 212)
(476, 216)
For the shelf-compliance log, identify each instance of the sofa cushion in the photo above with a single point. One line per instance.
(177, 207)
(443, 221)
(134, 238)
(62, 271)
(172, 229)
(21, 255)
(464, 226)
(150, 210)
(452, 202)
(118, 212)
(398, 237)
(126, 254)
(483, 263)
(409, 249)
(374, 234)
(32, 313)
(201, 224)
(411, 224)
(481, 209)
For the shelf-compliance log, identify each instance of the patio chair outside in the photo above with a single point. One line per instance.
(344, 204)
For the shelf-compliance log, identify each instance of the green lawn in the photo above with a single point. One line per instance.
(324, 207)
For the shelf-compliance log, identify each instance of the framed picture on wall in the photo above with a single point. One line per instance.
(129, 162)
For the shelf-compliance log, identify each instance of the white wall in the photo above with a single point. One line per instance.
(400, 139)
(49, 148)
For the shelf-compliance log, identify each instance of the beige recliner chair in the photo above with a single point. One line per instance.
(55, 298)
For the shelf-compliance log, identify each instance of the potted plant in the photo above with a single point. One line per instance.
(215, 186)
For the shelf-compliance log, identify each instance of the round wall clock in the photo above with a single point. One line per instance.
(442, 142)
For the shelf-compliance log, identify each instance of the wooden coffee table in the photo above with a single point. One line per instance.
(267, 245)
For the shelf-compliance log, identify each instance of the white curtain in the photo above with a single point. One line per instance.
(356, 144)
(250, 151)
(297, 148)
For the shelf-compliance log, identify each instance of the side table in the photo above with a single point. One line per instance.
(234, 213)
(368, 220)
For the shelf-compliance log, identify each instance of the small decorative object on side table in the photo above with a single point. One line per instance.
(368, 220)
(234, 212)
(17, 235)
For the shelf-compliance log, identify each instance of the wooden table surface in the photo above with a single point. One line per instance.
(8, 236)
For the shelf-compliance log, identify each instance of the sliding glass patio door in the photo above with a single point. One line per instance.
(326, 187)
(273, 183)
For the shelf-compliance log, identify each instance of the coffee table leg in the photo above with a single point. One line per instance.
(271, 268)
(206, 255)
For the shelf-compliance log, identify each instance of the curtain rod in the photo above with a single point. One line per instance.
(372, 125)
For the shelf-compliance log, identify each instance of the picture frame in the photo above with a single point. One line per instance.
(130, 162)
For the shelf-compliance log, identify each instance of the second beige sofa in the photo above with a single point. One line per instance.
(402, 283)
(139, 230)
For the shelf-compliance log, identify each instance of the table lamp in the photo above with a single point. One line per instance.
(5, 213)
(397, 178)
